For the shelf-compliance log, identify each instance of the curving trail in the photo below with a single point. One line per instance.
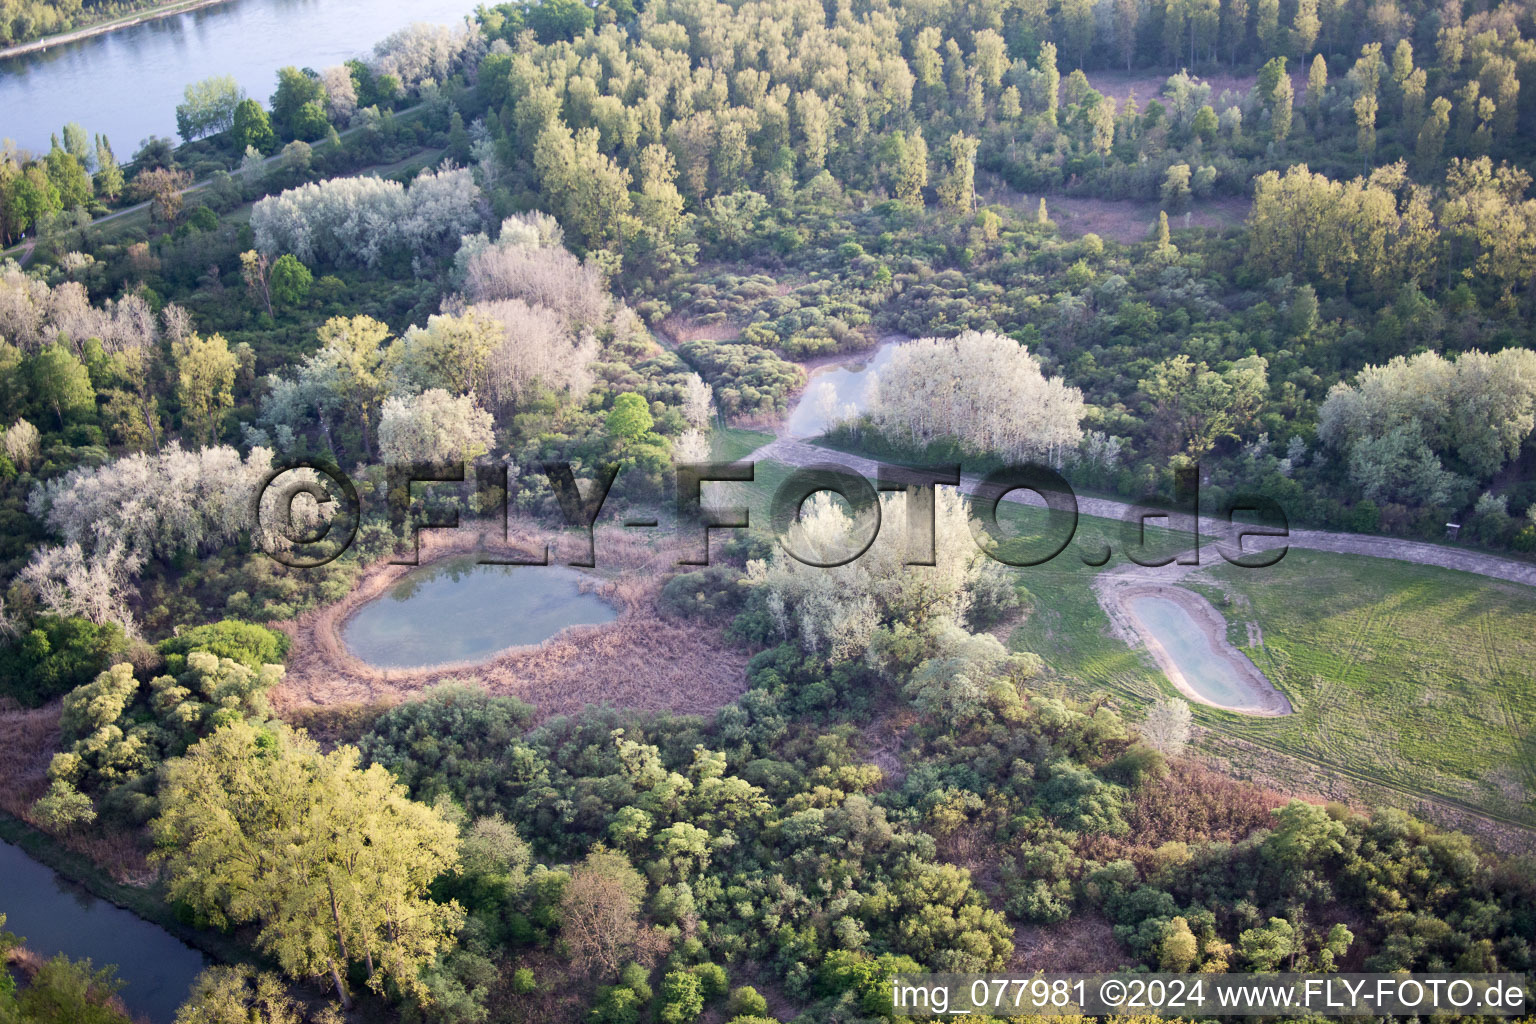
(799, 453)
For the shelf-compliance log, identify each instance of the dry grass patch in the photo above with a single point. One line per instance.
(641, 660)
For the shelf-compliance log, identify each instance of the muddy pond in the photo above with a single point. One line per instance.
(458, 610)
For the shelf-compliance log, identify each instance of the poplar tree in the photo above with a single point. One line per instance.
(332, 862)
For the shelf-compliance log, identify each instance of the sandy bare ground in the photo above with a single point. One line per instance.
(640, 660)
(1119, 220)
(1148, 84)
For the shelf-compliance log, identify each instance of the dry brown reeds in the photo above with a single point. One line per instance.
(640, 660)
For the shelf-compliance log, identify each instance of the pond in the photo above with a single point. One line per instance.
(126, 83)
(459, 610)
(837, 394)
(1199, 656)
(56, 916)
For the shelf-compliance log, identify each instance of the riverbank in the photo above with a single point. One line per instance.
(143, 901)
(111, 25)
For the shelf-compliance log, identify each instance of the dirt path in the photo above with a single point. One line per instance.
(800, 453)
(380, 169)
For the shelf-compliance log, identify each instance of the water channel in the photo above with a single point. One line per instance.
(56, 916)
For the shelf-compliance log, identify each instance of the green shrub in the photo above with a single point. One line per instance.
(56, 655)
(251, 645)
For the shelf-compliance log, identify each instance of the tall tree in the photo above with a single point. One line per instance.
(332, 862)
(957, 190)
(60, 382)
(205, 380)
(1127, 18)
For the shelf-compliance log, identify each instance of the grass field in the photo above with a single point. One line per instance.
(1419, 677)
(1410, 676)
(1409, 682)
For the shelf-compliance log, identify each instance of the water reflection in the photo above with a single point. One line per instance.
(57, 916)
(458, 610)
(127, 83)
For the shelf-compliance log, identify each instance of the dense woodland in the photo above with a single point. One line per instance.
(602, 234)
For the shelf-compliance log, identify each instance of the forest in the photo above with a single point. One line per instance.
(625, 237)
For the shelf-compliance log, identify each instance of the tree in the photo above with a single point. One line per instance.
(295, 90)
(1127, 14)
(984, 390)
(1270, 947)
(109, 176)
(1280, 112)
(156, 505)
(1304, 28)
(1050, 80)
(56, 655)
(205, 379)
(59, 381)
(1317, 84)
(1179, 950)
(163, 187)
(290, 280)
(332, 862)
(256, 269)
(1365, 122)
(629, 419)
(1166, 727)
(61, 990)
(361, 220)
(746, 1001)
(1102, 120)
(21, 444)
(243, 995)
(247, 643)
(1195, 406)
(680, 1000)
(1175, 191)
(555, 20)
(1431, 141)
(661, 243)
(1479, 408)
(351, 360)
(68, 177)
(835, 613)
(904, 161)
(77, 143)
(1266, 25)
(599, 912)
(434, 427)
(252, 129)
(208, 107)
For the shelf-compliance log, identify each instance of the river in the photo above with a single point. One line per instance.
(57, 916)
(127, 83)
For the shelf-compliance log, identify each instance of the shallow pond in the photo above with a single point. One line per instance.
(458, 610)
(56, 916)
(836, 394)
(1216, 673)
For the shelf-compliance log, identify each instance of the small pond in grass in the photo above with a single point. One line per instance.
(460, 610)
(1213, 673)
